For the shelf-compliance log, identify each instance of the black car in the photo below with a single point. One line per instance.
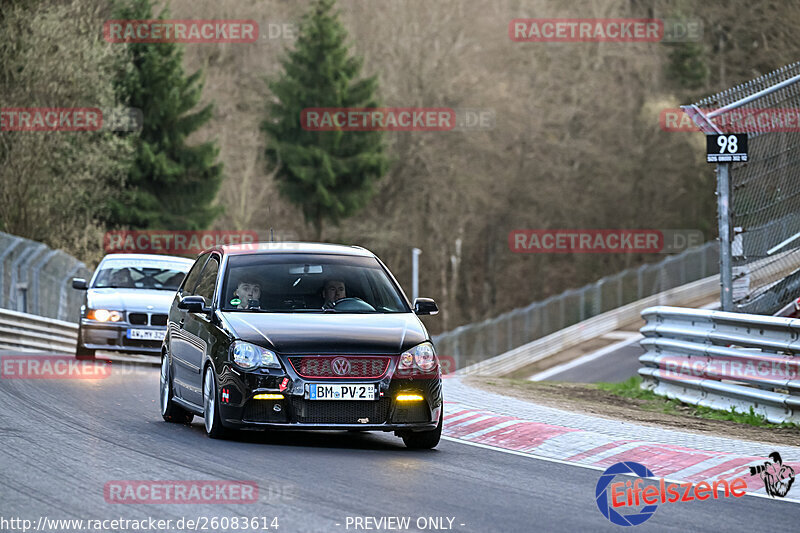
(300, 336)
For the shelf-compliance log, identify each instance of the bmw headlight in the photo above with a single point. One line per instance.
(104, 315)
(248, 355)
(423, 356)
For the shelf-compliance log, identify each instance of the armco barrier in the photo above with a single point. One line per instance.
(21, 332)
(723, 360)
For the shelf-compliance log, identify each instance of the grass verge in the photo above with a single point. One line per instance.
(650, 401)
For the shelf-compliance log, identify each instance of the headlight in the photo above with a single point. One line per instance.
(422, 355)
(248, 355)
(103, 315)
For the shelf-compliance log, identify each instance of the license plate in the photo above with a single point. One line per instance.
(340, 391)
(146, 334)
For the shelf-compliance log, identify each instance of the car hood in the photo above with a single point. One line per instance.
(130, 300)
(298, 333)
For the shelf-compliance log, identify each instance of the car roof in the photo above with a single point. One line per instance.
(291, 248)
(148, 257)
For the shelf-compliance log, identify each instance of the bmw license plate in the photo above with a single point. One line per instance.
(146, 334)
(341, 391)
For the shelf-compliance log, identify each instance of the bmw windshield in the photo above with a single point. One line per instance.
(140, 274)
(293, 283)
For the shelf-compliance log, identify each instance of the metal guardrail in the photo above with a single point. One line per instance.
(23, 332)
(723, 360)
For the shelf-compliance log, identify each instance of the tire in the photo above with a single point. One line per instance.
(170, 411)
(80, 351)
(213, 423)
(424, 440)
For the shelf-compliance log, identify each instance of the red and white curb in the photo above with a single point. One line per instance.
(595, 450)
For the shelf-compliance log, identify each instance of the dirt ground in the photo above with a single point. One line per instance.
(585, 398)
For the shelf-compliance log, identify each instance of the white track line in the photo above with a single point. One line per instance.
(627, 338)
(631, 338)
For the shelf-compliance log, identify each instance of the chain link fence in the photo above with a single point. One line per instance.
(477, 342)
(765, 190)
(36, 279)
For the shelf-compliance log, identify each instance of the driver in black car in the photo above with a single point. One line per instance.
(332, 292)
(248, 294)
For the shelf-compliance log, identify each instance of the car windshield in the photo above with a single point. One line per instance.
(135, 274)
(295, 283)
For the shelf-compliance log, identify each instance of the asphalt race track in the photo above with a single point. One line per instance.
(64, 439)
(612, 367)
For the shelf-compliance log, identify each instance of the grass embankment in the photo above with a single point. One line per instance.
(650, 401)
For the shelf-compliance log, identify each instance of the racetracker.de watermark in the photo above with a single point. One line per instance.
(174, 242)
(754, 368)
(397, 119)
(31, 366)
(602, 241)
(620, 30)
(70, 119)
(181, 31)
(378, 119)
(180, 491)
(742, 120)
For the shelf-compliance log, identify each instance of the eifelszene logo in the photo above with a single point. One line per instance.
(613, 497)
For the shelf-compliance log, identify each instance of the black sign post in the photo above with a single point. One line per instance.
(724, 149)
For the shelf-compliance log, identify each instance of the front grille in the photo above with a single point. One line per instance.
(340, 366)
(341, 412)
(158, 320)
(262, 411)
(137, 319)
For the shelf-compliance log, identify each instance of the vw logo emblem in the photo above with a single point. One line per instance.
(340, 366)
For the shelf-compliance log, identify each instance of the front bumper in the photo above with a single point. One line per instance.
(238, 409)
(114, 337)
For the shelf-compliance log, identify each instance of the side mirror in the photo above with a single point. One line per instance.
(193, 304)
(80, 284)
(425, 306)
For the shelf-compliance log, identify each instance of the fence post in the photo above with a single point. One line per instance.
(10, 248)
(16, 268)
(66, 286)
(598, 301)
(36, 269)
(640, 282)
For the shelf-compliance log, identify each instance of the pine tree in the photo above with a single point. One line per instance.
(329, 175)
(687, 65)
(171, 185)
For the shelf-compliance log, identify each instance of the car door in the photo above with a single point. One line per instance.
(196, 330)
(181, 344)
